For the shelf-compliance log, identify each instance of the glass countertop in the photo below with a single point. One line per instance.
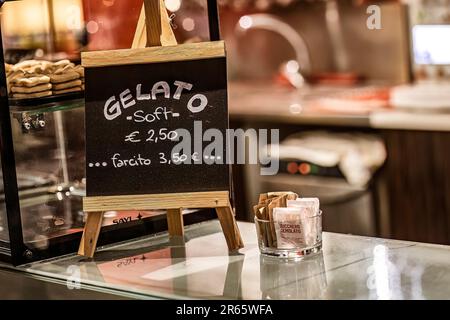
(199, 267)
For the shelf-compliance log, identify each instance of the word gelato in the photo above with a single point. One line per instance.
(115, 105)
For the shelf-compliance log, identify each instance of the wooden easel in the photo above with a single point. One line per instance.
(153, 29)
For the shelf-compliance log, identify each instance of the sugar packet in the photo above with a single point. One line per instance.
(311, 205)
(264, 211)
(289, 227)
(309, 210)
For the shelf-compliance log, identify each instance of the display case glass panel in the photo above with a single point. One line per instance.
(4, 236)
(42, 206)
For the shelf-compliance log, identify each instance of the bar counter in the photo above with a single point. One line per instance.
(350, 267)
(255, 102)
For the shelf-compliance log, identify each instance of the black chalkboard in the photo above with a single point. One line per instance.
(117, 165)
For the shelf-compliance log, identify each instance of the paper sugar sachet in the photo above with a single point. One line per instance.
(289, 228)
(311, 205)
(264, 211)
(260, 213)
(309, 209)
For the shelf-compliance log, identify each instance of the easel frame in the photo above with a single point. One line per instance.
(153, 29)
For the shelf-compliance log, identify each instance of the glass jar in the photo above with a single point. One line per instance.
(311, 231)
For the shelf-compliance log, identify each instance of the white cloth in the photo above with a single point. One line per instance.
(357, 155)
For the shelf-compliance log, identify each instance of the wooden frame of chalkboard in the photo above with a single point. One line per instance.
(132, 94)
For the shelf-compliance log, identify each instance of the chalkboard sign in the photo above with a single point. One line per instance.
(142, 103)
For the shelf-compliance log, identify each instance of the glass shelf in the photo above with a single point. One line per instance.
(47, 104)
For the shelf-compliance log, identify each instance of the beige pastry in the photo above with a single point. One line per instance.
(74, 89)
(33, 66)
(62, 63)
(68, 76)
(65, 69)
(39, 88)
(8, 67)
(80, 70)
(66, 85)
(46, 63)
(13, 75)
(32, 95)
(25, 64)
(43, 68)
(10, 77)
(62, 66)
(31, 81)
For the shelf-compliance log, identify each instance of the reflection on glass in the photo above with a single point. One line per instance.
(4, 235)
(381, 272)
(387, 278)
(305, 279)
(50, 170)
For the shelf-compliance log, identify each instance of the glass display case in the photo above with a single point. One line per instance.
(42, 139)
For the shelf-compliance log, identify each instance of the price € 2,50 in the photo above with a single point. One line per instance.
(151, 136)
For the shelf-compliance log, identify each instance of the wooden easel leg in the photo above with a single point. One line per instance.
(175, 222)
(91, 232)
(229, 228)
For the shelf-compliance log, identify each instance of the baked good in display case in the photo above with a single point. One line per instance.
(40, 78)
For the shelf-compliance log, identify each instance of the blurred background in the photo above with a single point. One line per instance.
(358, 89)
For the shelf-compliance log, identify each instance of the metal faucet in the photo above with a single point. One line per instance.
(269, 22)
